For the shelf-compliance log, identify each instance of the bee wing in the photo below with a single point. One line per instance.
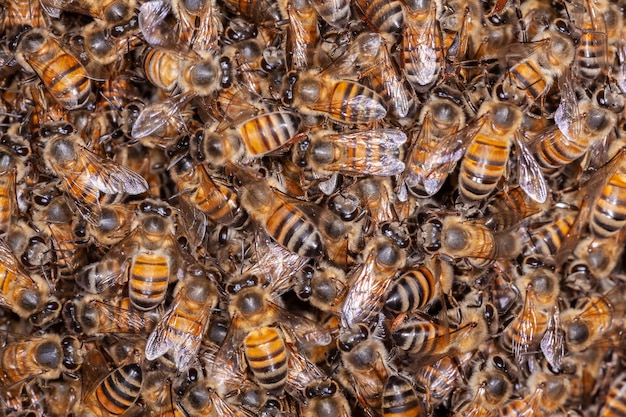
(116, 314)
(303, 330)
(567, 116)
(363, 300)
(301, 372)
(194, 221)
(155, 116)
(154, 27)
(93, 370)
(110, 177)
(383, 142)
(422, 39)
(224, 409)
(530, 176)
(553, 341)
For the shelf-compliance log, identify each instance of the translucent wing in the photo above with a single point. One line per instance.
(133, 320)
(153, 23)
(110, 177)
(530, 176)
(157, 116)
(194, 221)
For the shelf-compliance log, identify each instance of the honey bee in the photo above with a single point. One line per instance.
(159, 394)
(365, 367)
(614, 401)
(419, 286)
(606, 218)
(24, 294)
(488, 152)
(13, 154)
(369, 57)
(251, 139)
(369, 152)
(377, 196)
(336, 14)
(105, 49)
(148, 259)
(198, 25)
(94, 316)
(439, 378)
(201, 400)
(70, 250)
(110, 12)
(436, 148)
(281, 216)
(422, 45)
(548, 239)
(529, 80)
(23, 13)
(325, 287)
(303, 35)
(368, 282)
(386, 17)
(489, 388)
(598, 256)
(321, 94)
(85, 176)
(400, 398)
(537, 16)
(541, 288)
(470, 240)
(325, 399)
(427, 338)
(592, 58)
(585, 325)
(182, 327)
(111, 224)
(45, 357)
(558, 146)
(262, 12)
(61, 73)
(511, 208)
(115, 394)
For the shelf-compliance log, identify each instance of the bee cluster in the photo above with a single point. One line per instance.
(312, 208)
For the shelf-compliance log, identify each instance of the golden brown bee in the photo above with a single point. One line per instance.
(511, 208)
(488, 151)
(43, 357)
(115, 394)
(422, 55)
(320, 94)
(363, 152)
(251, 139)
(608, 216)
(325, 287)
(488, 389)
(94, 316)
(468, 239)
(365, 369)
(111, 224)
(613, 403)
(585, 325)
(105, 49)
(384, 16)
(597, 256)
(86, 177)
(436, 147)
(182, 327)
(400, 398)
(149, 258)
(418, 286)
(529, 80)
(110, 12)
(202, 400)
(159, 394)
(303, 35)
(547, 239)
(281, 216)
(541, 290)
(14, 152)
(61, 73)
(439, 378)
(22, 13)
(198, 25)
(369, 281)
(592, 58)
(260, 11)
(325, 399)
(336, 13)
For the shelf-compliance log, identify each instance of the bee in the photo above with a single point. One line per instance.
(558, 146)
(85, 176)
(103, 48)
(91, 315)
(149, 258)
(263, 12)
(159, 394)
(386, 17)
(488, 151)
(365, 367)
(418, 286)
(358, 153)
(201, 400)
(592, 58)
(598, 256)
(324, 287)
(281, 216)
(182, 327)
(109, 12)
(336, 14)
(251, 139)
(45, 357)
(422, 55)
(368, 282)
(320, 94)
(537, 16)
(468, 239)
(530, 79)
(512, 208)
(585, 325)
(614, 402)
(489, 388)
(548, 239)
(20, 14)
(541, 289)
(61, 73)
(607, 216)
(198, 25)
(303, 35)
(111, 224)
(400, 398)
(436, 148)
(427, 338)
(325, 399)
(440, 378)
(13, 170)
(116, 393)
